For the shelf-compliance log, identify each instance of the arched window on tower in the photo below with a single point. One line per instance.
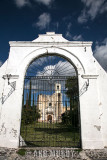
(57, 87)
(50, 104)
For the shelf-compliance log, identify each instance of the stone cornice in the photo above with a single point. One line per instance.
(39, 44)
(9, 76)
(89, 76)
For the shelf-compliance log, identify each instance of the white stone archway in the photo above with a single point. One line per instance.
(92, 88)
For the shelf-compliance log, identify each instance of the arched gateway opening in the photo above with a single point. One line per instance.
(50, 107)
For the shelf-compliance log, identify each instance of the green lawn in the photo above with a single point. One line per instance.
(50, 134)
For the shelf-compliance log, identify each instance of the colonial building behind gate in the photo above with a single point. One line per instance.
(51, 106)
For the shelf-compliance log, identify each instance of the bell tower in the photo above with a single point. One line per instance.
(57, 88)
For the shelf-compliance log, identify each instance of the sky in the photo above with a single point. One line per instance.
(76, 20)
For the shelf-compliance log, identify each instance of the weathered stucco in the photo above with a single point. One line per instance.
(92, 87)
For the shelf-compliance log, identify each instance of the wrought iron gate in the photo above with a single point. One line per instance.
(50, 112)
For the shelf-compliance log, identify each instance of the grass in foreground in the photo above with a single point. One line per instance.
(50, 134)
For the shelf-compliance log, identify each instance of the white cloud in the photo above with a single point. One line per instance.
(38, 62)
(45, 2)
(66, 18)
(83, 17)
(21, 3)
(1, 63)
(59, 69)
(95, 7)
(43, 21)
(78, 38)
(100, 54)
(47, 71)
(63, 68)
(75, 38)
(68, 35)
(91, 9)
(105, 41)
(69, 25)
(56, 25)
(104, 8)
(86, 27)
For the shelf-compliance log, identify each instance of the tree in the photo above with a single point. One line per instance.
(72, 91)
(71, 116)
(30, 88)
(30, 112)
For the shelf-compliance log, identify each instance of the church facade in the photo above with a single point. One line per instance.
(51, 106)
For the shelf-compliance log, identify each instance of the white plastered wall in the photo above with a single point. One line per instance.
(92, 86)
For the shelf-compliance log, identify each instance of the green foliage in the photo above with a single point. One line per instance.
(29, 101)
(72, 86)
(21, 152)
(30, 114)
(71, 116)
(66, 118)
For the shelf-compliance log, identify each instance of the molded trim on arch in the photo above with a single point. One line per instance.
(55, 51)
